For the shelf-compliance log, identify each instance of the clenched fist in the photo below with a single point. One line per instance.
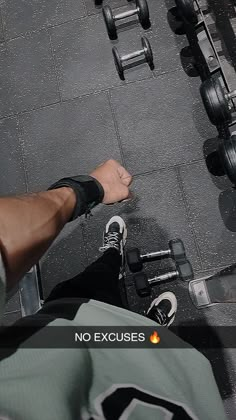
(115, 181)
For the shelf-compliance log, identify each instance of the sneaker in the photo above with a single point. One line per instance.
(163, 309)
(115, 236)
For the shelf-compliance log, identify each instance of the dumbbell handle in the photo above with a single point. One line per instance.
(164, 277)
(126, 14)
(132, 55)
(157, 254)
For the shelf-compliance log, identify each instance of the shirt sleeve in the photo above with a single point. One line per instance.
(2, 287)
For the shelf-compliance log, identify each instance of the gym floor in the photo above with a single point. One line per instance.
(64, 110)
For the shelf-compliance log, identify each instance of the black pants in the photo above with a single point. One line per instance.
(100, 281)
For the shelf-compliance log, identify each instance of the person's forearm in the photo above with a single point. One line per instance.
(30, 223)
(28, 226)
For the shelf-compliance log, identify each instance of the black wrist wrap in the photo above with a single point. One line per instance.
(89, 192)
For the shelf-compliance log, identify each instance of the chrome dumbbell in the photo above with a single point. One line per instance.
(143, 284)
(121, 61)
(141, 10)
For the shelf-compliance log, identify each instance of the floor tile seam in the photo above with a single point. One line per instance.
(212, 268)
(28, 111)
(12, 312)
(20, 137)
(98, 10)
(170, 71)
(73, 20)
(153, 76)
(108, 88)
(116, 127)
(188, 213)
(45, 27)
(55, 66)
(27, 34)
(167, 168)
(95, 92)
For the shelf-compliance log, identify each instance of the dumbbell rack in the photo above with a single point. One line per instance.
(203, 21)
(205, 53)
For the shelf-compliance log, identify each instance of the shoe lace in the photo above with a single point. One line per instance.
(111, 240)
(160, 317)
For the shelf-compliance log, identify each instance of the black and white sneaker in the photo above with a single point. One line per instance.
(163, 309)
(115, 236)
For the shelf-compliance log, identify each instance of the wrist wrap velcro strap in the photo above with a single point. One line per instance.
(89, 192)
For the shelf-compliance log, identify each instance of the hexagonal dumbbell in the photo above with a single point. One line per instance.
(144, 285)
(141, 11)
(135, 260)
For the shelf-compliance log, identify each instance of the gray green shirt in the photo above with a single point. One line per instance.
(86, 383)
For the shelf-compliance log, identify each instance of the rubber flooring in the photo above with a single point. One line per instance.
(64, 110)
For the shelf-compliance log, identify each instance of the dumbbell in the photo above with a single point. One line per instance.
(187, 10)
(144, 285)
(227, 153)
(135, 260)
(120, 60)
(218, 103)
(110, 20)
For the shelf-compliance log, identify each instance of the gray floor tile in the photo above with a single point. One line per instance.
(12, 176)
(81, 73)
(65, 259)
(91, 8)
(217, 244)
(68, 139)
(154, 216)
(27, 78)
(20, 16)
(229, 403)
(153, 134)
(10, 318)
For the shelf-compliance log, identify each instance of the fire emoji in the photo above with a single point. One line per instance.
(155, 338)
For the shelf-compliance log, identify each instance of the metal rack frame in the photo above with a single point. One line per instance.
(207, 58)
